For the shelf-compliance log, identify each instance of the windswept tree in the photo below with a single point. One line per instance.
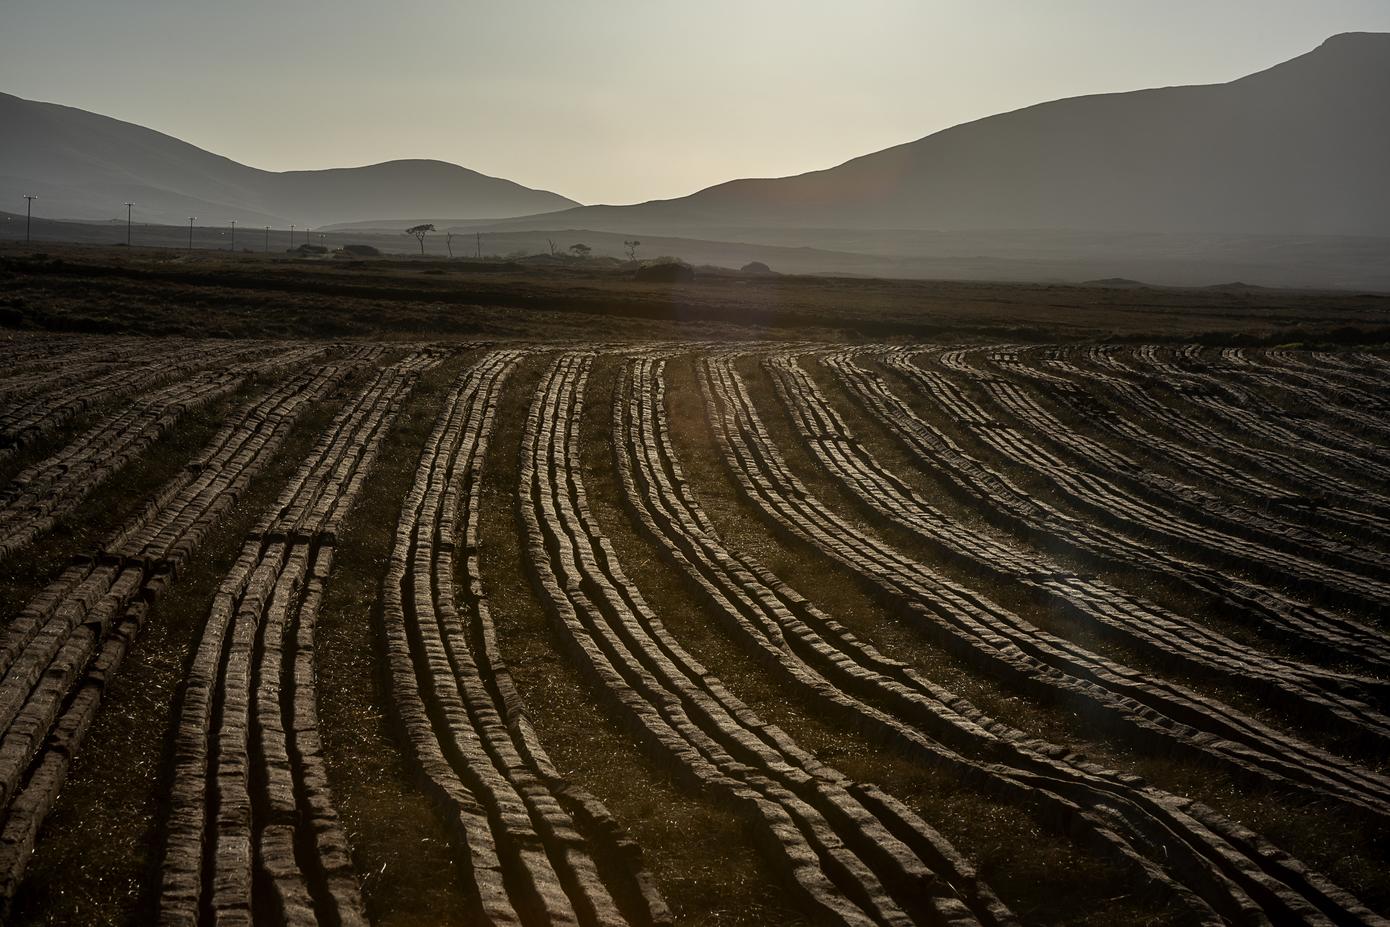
(631, 247)
(580, 250)
(553, 249)
(449, 242)
(418, 232)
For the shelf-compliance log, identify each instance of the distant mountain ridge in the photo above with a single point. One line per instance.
(84, 166)
(1291, 153)
(1301, 148)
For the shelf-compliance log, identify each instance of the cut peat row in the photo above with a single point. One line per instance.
(1120, 408)
(1331, 634)
(1267, 530)
(1331, 372)
(1333, 568)
(1164, 636)
(1131, 443)
(1237, 411)
(854, 854)
(1090, 476)
(143, 369)
(1157, 717)
(58, 653)
(49, 364)
(252, 833)
(1171, 845)
(1304, 492)
(22, 354)
(1359, 411)
(43, 493)
(536, 849)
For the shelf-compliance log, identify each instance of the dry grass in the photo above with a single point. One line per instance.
(94, 289)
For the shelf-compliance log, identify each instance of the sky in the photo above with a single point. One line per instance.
(620, 101)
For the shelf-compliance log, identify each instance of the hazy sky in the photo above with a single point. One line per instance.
(620, 100)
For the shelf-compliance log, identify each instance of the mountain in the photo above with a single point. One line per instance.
(1301, 148)
(84, 166)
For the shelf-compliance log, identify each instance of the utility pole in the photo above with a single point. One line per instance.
(28, 211)
(127, 223)
(291, 236)
(190, 232)
(267, 239)
(479, 237)
(234, 236)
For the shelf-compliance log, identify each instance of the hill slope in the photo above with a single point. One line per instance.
(1300, 148)
(84, 166)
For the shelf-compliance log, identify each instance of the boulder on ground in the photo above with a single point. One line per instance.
(757, 268)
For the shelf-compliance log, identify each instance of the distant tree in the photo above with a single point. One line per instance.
(449, 242)
(580, 250)
(418, 232)
(553, 250)
(631, 247)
